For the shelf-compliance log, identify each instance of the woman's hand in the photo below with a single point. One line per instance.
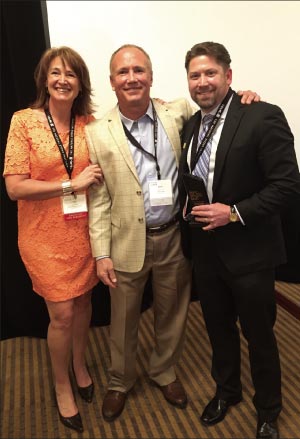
(92, 174)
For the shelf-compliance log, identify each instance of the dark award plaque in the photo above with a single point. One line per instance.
(197, 194)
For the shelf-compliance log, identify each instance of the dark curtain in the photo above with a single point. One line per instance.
(23, 39)
(290, 272)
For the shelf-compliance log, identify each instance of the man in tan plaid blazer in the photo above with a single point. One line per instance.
(132, 240)
(134, 228)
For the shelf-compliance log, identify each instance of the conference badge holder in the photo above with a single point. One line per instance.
(160, 193)
(74, 206)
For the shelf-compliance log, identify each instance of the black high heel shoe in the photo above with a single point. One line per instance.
(74, 422)
(87, 392)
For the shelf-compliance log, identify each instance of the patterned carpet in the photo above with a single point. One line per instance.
(288, 296)
(28, 410)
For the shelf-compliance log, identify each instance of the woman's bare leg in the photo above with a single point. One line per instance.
(60, 342)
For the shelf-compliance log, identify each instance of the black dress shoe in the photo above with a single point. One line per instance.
(267, 430)
(216, 410)
(74, 422)
(87, 392)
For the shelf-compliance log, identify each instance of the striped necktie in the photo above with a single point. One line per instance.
(202, 165)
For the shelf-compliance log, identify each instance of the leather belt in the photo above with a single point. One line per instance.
(158, 229)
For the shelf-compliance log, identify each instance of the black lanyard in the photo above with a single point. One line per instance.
(139, 146)
(68, 161)
(196, 153)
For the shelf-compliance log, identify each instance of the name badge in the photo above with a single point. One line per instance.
(74, 206)
(160, 193)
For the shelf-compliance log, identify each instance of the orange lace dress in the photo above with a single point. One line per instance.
(55, 252)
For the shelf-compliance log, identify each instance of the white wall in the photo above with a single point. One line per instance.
(262, 37)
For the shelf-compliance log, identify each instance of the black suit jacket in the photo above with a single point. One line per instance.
(255, 169)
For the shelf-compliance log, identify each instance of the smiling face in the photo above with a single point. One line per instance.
(131, 79)
(208, 81)
(62, 82)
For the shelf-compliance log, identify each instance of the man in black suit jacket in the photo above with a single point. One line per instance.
(252, 174)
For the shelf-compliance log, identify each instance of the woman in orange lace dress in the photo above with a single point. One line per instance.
(47, 171)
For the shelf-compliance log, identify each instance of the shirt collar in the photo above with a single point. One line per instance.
(129, 122)
(212, 112)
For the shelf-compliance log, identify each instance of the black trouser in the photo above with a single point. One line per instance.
(251, 299)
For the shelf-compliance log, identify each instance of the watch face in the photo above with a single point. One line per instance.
(233, 217)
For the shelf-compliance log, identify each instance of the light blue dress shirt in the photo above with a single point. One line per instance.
(142, 130)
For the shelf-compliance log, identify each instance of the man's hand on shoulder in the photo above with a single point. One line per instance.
(248, 96)
(161, 101)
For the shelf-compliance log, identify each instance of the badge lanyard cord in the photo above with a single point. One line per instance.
(133, 140)
(68, 161)
(211, 128)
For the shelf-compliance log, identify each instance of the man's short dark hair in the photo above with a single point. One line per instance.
(209, 48)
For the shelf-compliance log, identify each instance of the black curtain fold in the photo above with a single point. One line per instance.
(290, 219)
(22, 43)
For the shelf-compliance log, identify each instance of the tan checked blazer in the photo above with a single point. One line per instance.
(116, 208)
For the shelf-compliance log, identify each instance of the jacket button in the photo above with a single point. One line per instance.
(141, 220)
(139, 192)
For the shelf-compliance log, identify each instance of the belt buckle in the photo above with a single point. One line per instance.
(162, 227)
(153, 230)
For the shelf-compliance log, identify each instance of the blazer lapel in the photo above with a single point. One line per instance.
(232, 121)
(116, 130)
(170, 128)
(187, 136)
